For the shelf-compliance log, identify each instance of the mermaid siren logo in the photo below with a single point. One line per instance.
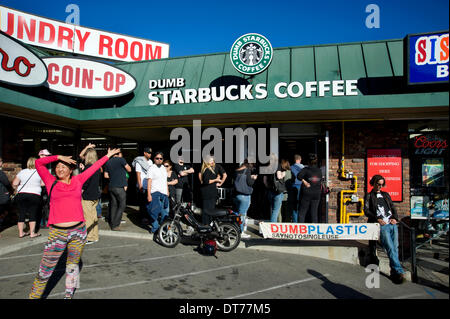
(251, 54)
(18, 65)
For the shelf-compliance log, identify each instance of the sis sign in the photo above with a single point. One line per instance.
(427, 58)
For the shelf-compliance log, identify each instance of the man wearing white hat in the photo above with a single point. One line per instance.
(44, 153)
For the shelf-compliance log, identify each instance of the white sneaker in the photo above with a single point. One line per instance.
(244, 235)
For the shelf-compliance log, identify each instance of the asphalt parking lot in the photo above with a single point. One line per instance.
(127, 268)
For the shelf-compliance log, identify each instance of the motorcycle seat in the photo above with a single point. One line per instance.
(216, 212)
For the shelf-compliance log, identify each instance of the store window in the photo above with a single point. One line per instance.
(429, 172)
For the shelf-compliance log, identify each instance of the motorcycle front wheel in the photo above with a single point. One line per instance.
(169, 233)
(230, 237)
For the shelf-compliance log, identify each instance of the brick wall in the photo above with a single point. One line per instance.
(11, 170)
(359, 136)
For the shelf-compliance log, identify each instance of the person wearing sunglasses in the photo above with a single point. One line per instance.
(172, 178)
(157, 192)
(184, 186)
(379, 208)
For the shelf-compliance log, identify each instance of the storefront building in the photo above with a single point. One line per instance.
(356, 105)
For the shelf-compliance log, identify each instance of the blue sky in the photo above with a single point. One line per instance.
(203, 27)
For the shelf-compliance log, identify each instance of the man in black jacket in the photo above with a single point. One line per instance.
(379, 208)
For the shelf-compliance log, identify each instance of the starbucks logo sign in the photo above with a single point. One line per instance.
(251, 53)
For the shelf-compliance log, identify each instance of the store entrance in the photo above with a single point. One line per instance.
(288, 146)
(304, 146)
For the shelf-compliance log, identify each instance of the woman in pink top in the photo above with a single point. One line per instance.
(66, 220)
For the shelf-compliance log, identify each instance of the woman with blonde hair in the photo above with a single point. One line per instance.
(211, 177)
(28, 185)
(91, 194)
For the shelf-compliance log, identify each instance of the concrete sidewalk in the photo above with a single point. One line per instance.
(347, 251)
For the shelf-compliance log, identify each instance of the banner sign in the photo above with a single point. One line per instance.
(20, 66)
(427, 58)
(387, 163)
(169, 91)
(295, 231)
(55, 35)
(86, 78)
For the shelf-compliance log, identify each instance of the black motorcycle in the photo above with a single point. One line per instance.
(224, 227)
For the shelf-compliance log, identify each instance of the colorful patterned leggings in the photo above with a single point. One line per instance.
(59, 238)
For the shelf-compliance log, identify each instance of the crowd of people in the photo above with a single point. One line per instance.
(74, 199)
(294, 189)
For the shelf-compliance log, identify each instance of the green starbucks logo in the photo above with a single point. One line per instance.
(251, 53)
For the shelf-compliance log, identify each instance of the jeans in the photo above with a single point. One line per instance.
(242, 203)
(275, 205)
(117, 206)
(99, 208)
(158, 209)
(294, 198)
(389, 240)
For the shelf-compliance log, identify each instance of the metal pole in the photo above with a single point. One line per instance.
(403, 240)
(327, 158)
(413, 256)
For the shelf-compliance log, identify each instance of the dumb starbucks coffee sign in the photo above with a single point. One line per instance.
(251, 53)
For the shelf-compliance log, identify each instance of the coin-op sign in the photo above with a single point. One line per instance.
(86, 78)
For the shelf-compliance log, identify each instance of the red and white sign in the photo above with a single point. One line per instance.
(20, 66)
(387, 163)
(86, 78)
(52, 34)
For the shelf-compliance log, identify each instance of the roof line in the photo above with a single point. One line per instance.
(280, 48)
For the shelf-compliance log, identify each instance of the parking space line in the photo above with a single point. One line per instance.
(162, 278)
(410, 296)
(102, 248)
(18, 275)
(279, 286)
(137, 260)
(20, 256)
(103, 264)
(90, 249)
